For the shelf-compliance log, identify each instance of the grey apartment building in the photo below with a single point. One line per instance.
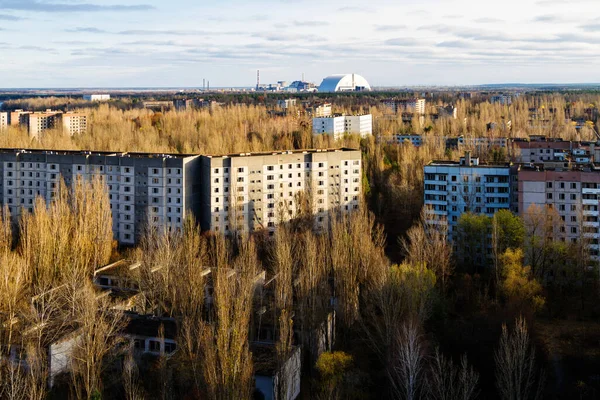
(160, 188)
(249, 192)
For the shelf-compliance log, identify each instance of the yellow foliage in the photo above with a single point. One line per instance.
(519, 285)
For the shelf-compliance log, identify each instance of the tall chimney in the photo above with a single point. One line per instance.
(467, 158)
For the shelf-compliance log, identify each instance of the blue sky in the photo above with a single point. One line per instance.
(133, 43)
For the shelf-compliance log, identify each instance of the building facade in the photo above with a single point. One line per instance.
(573, 193)
(4, 120)
(142, 188)
(74, 123)
(453, 188)
(338, 126)
(96, 97)
(38, 122)
(416, 106)
(18, 117)
(249, 192)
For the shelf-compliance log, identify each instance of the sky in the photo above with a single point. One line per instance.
(177, 43)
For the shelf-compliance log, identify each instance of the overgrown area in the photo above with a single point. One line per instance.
(380, 304)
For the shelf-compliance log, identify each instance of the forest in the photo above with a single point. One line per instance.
(415, 316)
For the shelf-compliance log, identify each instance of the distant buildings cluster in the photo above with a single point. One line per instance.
(330, 84)
(239, 192)
(36, 123)
(414, 105)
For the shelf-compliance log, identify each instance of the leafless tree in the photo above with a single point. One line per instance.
(517, 376)
(130, 378)
(448, 381)
(408, 368)
(94, 340)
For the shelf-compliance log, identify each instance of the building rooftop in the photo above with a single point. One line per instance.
(283, 152)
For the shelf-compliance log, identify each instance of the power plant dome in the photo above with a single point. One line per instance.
(344, 83)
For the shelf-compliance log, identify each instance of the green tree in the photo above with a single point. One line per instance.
(472, 234)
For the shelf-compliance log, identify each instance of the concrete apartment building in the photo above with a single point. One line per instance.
(286, 103)
(74, 123)
(503, 99)
(4, 120)
(96, 97)
(18, 117)
(573, 193)
(453, 188)
(416, 106)
(38, 122)
(318, 110)
(338, 126)
(249, 192)
(160, 188)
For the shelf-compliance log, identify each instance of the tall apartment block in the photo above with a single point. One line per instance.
(18, 117)
(39, 122)
(249, 192)
(338, 126)
(74, 123)
(142, 188)
(4, 120)
(453, 188)
(573, 193)
(416, 106)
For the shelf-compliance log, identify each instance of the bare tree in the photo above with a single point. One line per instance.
(408, 367)
(95, 338)
(448, 381)
(130, 377)
(427, 244)
(227, 367)
(517, 377)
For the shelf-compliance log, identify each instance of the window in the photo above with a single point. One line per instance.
(240, 170)
(549, 185)
(549, 196)
(170, 347)
(154, 345)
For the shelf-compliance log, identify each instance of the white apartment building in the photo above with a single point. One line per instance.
(338, 126)
(143, 188)
(250, 192)
(96, 97)
(4, 120)
(453, 188)
(74, 123)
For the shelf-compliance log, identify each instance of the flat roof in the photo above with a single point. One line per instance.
(283, 152)
(162, 155)
(445, 163)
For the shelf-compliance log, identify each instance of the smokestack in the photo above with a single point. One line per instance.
(257, 79)
(203, 84)
(467, 158)
(207, 85)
